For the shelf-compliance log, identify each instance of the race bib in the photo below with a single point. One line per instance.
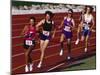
(46, 33)
(86, 27)
(67, 28)
(28, 42)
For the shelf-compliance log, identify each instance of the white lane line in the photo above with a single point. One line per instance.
(20, 36)
(72, 63)
(17, 29)
(39, 49)
(36, 50)
(18, 54)
(38, 59)
(20, 23)
(55, 67)
(16, 37)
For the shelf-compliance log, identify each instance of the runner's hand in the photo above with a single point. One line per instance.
(59, 27)
(53, 36)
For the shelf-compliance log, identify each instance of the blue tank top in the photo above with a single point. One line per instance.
(67, 23)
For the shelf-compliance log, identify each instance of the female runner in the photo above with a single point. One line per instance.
(47, 26)
(68, 24)
(79, 30)
(88, 23)
(29, 33)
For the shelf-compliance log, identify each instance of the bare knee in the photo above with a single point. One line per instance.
(82, 38)
(69, 41)
(62, 38)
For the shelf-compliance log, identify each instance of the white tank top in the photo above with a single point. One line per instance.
(88, 18)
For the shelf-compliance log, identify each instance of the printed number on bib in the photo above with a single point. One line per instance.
(46, 33)
(28, 42)
(67, 28)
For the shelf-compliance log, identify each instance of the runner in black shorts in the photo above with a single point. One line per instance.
(47, 26)
(29, 33)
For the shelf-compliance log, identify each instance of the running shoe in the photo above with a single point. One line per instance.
(85, 50)
(77, 41)
(26, 68)
(39, 65)
(61, 52)
(31, 67)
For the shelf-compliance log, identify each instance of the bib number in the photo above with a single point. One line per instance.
(46, 33)
(86, 27)
(28, 42)
(67, 28)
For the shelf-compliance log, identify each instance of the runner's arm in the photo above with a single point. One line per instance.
(92, 23)
(39, 24)
(73, 23)
(54, 30)
(23, 31)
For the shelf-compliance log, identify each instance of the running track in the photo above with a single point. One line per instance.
(52, 59)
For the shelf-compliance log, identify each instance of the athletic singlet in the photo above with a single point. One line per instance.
(67, 24)
(47, 26)
(30, 33)
(87, 21)
(87, 18)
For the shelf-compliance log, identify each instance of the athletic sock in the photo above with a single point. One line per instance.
(26, 68)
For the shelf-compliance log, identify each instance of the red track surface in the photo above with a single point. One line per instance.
(52, 58)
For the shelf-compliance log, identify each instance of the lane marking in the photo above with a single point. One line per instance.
(55, 66)
(93, 30)
(72, 63)
(52, 40)
(35, 50)
(49, 57)
(20, 36)
(47, 47)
